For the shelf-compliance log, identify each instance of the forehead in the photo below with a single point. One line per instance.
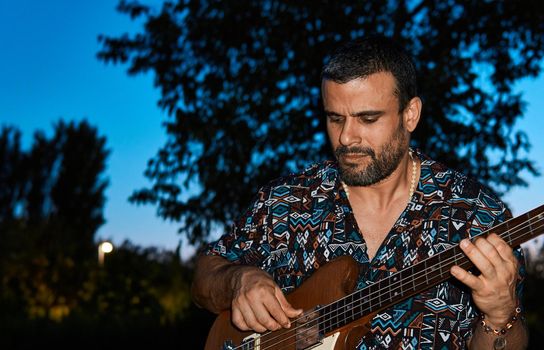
(375, 91)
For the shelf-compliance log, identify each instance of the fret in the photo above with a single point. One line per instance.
(406, 275)
(509, 235)
(356, 309)
(366, 304)
(425, 271)
(348, 310)
(328, 314)
(361, 303)
(446, 262)
(333, 315)
(376, 294)
(325, 317)
(354, 306)
(386, 286)
(418, 271)
(413, 278)
(539, 218)
(395, 286)
(384, 297)
(339, 311)
(530, 226)
(432, 269)
(439, 264)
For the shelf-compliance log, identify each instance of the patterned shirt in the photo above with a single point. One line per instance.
(297, 223)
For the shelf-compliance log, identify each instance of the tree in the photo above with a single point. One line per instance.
(11, 176)
(240, 81)
(51, 205)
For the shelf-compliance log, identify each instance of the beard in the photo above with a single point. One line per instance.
(381, 166)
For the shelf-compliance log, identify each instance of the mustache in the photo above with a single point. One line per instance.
(363, 151)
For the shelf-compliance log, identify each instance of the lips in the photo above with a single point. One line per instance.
(353, 158)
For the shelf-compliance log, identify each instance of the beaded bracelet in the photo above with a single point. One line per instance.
(503, 330)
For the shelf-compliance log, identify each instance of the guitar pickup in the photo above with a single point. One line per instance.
(309, 334)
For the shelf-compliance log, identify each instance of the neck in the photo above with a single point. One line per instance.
(396, 187)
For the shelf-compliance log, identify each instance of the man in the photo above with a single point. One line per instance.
(383, 204)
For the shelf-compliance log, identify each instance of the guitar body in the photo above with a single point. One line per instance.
(329, 283)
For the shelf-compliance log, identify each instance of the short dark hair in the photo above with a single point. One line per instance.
(363, 57)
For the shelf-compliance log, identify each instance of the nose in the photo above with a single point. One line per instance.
(349, 135)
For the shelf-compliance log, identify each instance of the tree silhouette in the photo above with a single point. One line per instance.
(51, 205)
(240, 81)
(11, 177)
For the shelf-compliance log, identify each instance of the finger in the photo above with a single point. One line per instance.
(275, 310)
(505, 251)
(478, 258)
(289, 310)
(249, 313)
(238, 320)
(510, 262)
(490, 252)
(263, 314)
(466, 277)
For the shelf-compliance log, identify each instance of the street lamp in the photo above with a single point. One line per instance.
(104, 248)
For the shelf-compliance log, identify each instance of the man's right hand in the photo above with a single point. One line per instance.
(258, 303)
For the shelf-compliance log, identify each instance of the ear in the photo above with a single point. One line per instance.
(412, 113)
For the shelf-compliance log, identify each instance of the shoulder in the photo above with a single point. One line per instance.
(317, 181)
(319, 176)
(460, 190)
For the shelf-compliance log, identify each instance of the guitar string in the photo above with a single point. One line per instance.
(518, 227)
(465, 262)
(372, 295)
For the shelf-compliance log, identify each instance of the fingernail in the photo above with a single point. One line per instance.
(464, 243)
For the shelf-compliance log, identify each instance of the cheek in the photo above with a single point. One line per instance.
(333, 134)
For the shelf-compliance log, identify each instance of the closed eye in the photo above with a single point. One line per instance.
(335, 118)
(368, 120)
(369, 117)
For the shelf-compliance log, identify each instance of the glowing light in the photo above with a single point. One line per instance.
(104, 248)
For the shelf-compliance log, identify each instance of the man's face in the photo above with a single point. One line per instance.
(365, 127)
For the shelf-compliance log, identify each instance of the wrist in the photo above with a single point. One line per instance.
(495, 322)
(236, 274)
(499, 326)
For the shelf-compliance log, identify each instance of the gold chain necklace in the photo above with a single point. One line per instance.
(412, 184)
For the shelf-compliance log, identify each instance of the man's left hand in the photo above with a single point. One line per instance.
(494, 290)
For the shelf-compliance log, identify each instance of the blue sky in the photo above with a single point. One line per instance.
(49, 70)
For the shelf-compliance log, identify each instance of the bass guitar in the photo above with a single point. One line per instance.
(336, 316)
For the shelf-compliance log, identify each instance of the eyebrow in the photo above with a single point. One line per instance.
(369, 113)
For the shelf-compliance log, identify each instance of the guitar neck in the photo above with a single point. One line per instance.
(423, 275)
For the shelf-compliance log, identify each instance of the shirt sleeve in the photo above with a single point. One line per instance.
(246, 243)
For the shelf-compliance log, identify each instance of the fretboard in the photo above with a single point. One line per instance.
(423, 275)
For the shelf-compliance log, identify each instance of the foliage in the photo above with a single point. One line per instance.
(51, 203)
(240, 81)
(52, 289)
(138, 299)
(139, 283)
